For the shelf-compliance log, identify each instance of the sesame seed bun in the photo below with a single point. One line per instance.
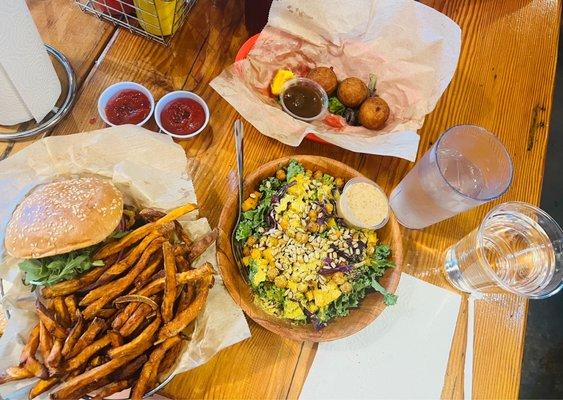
(63, 216)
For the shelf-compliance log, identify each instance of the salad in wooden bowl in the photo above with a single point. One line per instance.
(306, 274)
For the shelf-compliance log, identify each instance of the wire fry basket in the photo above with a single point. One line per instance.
(157, 20)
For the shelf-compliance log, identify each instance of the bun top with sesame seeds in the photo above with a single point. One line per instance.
(63, 216)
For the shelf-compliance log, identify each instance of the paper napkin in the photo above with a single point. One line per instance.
(403, 354)
(29, 86)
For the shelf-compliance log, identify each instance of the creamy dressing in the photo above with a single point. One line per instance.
(367, 205)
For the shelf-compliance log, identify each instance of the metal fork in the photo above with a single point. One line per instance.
(235, 244)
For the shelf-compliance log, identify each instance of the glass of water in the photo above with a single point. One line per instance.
(466, 167)
(517, 248)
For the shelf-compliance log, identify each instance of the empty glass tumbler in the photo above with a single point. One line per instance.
(518, 248)
(467, 166)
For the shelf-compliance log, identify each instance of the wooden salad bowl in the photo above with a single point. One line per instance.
(371, 306)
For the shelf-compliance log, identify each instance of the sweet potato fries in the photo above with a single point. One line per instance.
(119, 325)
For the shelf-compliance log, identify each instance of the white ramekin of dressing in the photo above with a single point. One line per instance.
(363, 204)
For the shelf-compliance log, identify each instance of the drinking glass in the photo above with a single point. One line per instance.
(466, 167)
(517, 248)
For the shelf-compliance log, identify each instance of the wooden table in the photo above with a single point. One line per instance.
(504, 82)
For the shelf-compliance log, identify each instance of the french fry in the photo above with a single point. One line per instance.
(146, 248)
(36, 368)
(135, 320)
(167, 308)
(186, 297)
(72, 307)
(151, 214)
(83, 391)
(61, 312)
(31, 345)
(116, 339)
(182, 264)
(88, 336)
(192, 275)
(105, 313)
(139, 233)
(102, 290)
(42, 386)
(170, 358)
(112, 291)
(82, 358)
(74, 387)
(111, 388)
(126, 241)
(150, 369)
(108, 278)
(146, 274)
(98, 282)
(48, 320)
(176, 213)
(181, 249)
(131, 368)
(167, 346)
(73, 285)
(124, 315)
(187, 315)
(96, 309)
(55, 356)
(14, 374)
(199, 246)
(73, 336)
(45, 341)
(96, 361)
(142, 341)
(182, 234)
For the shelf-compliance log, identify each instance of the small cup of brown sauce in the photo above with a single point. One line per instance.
(304, 99)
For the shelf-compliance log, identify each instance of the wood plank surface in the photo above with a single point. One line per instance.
(498, 86)
(504, 83)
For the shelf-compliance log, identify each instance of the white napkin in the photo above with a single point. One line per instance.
(29, 85)
(403, 354)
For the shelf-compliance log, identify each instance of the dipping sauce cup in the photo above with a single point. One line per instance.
(126, 103)
(304, 99)
(182, 114)
(363, 204)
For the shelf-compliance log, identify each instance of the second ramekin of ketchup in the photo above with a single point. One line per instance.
(181, 114)
(126, 103)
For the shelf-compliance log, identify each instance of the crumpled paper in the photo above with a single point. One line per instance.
(411, 48)
(151, 172)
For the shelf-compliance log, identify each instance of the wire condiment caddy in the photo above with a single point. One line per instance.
(157, 20)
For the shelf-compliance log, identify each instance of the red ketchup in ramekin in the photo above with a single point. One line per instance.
(182, 116)
(129, 106)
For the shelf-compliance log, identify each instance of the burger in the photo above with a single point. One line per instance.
(58, 226)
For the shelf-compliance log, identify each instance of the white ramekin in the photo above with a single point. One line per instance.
(180, 94)
(116, 88)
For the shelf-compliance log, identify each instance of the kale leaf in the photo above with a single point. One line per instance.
(335, 106)
(254, 219)
(363, 279)
(294, 168)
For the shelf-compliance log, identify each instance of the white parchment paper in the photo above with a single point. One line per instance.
(150, 169)
(411, 48)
